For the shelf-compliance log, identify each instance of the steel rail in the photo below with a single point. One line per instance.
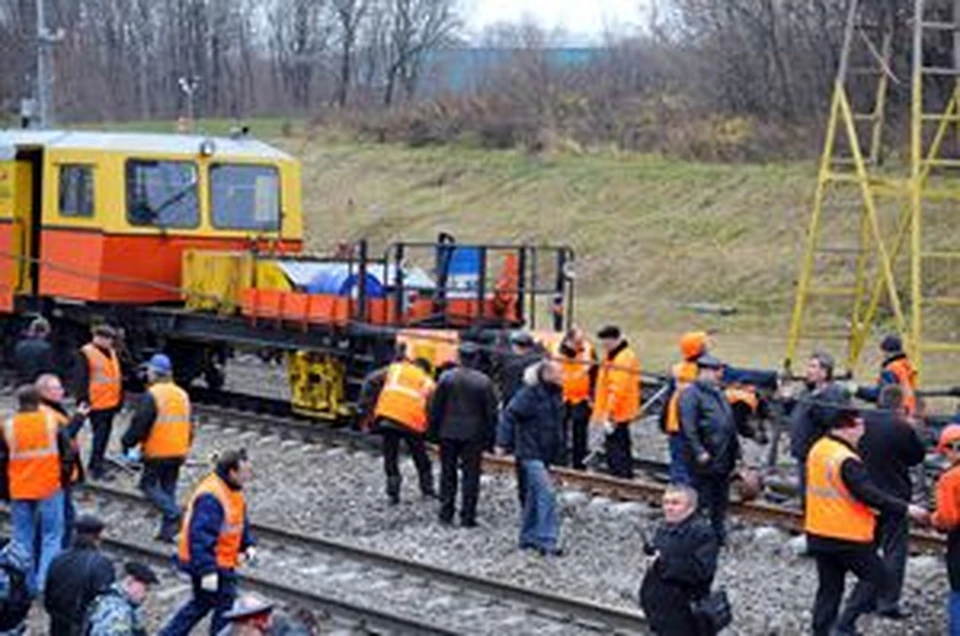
(572, 609)
(789, 519)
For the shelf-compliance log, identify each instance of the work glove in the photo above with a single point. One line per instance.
(250, 555)
(608, 427)
(210, 582)
(132, 455)
(850, 387)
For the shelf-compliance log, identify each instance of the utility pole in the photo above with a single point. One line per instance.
(189, 86)
(44, 81)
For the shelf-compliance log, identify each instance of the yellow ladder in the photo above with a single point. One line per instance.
(868, 257)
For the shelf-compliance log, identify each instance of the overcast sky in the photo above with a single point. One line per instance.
(580, 18)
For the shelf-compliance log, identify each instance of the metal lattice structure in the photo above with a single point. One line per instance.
(878, 252)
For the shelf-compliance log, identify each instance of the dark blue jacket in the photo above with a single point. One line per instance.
(707, 424)
(531, 426)
(205, 523)
(887, 377)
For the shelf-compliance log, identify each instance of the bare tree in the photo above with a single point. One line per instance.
(350, 15)
(416, 28)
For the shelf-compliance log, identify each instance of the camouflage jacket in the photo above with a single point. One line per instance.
(112, 614)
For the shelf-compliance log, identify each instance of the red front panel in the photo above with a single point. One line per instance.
(9, 267)
(130, 268)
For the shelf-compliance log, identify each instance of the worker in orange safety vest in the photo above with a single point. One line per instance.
(34, 465)
(161, 427)
(617, 399)
(840, 523)
(895, 369)
(99, 383)
(578, 362)
(214, 539)
(401, 414)
(693, 344)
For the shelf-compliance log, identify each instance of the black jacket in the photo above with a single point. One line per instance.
(889, 448)
(682, 573)
(513, 368)
(811, 415)
(531, 426)
(32, 357)
(72, 462)
(464, 406)
(707, 424)
(75, 578)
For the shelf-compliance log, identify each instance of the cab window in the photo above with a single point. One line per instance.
(162, 193)
(245, 197)
(76, 191)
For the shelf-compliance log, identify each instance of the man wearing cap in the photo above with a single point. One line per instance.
(617, 399)
(579, 364)
(249, 616)
(463, 412)
(946, 518)
(161, 427)
(33, 355)
(117, 611)
(896, 369)
(522, 355)
(711, 447)
(98, 382)
(76, 577)
(840, 523)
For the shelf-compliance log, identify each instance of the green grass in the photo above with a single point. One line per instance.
(651, 234)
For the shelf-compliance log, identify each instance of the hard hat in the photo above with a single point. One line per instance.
(693, 344)
(948, 436)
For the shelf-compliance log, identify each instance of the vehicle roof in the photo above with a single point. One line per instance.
(139, 142)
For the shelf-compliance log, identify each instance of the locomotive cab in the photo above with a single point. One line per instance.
(106, 217)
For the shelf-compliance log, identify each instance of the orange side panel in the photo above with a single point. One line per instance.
(70, 264)
(122, 268)
(295, 306)
(327, 308)
(9, 267)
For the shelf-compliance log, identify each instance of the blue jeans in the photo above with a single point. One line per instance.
(954, 612)
(679, 473)
(201, 604)
(540, 525)
(46, 517)
(159, 484)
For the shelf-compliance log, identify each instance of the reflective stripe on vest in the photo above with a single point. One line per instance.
(684, 374)
(105, 386)
(404, 396)
(907, 378)
(831, 511)
(230, 537)
(170, 434)
(576, 374)
(33, 467)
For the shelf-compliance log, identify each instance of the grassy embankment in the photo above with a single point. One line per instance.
(651, 234)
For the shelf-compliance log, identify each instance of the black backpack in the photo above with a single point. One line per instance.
(14, 597)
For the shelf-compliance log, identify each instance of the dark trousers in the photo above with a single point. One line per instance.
(201, 604)
(617, 446)
(391, 458)
(521, 483)
(832, 568)
(713, 491)
(159, 483)
(102, 424)
(893, 535)
(455, 456)
(576, 421)
(69, 514)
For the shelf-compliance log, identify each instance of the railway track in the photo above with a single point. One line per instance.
(329, 575)
(275, 417)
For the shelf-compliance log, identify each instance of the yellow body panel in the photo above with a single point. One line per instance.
(213, 280)
(22, 224)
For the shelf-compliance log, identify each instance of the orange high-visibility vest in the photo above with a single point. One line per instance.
(617, 396)
(170, 434)
(684, 374)
(404, 396)
(227, 549)
(907, 378)
(62, 422)
(105, 381)
(576, 374)
(831, 510)
(33, 468)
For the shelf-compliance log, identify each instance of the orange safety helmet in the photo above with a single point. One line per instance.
(693, 344)
(949, 435)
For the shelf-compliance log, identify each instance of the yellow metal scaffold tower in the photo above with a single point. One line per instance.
(879, 250)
